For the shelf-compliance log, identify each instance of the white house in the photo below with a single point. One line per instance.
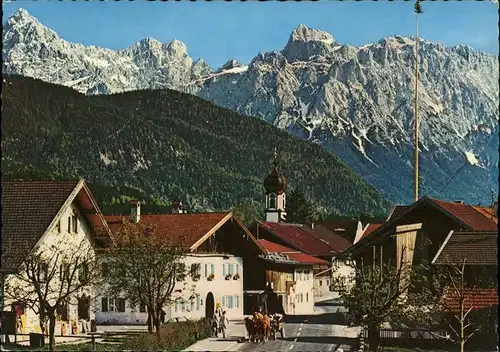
(55, 219)
(215, 243)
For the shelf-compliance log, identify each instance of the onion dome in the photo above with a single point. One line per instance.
(275, 182)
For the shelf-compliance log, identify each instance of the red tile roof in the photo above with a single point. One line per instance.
(477, 298)
(184, 229)
(488, 212)
(477, 248)
(370, 229)
(300, 237)
(468, 215)
(293, 254)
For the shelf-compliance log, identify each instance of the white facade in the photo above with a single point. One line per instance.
(220, 276)
(322, 287)
(69, 231)
(301, 298)
(343, 273)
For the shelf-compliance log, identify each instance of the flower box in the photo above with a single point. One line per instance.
(211, 277)
(228, 277)
(236, 277)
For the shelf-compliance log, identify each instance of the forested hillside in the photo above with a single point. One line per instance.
(156, 145)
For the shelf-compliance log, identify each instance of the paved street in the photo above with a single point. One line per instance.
(324, 331)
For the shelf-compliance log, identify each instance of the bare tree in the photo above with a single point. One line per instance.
(145, 267)
(384, 293)
(53, 276)
(455, 306)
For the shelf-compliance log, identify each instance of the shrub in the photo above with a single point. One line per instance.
(173, 336)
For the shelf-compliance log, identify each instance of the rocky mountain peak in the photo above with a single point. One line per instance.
(23, 27)
(305, 42)
(177, 48)
(232, 63)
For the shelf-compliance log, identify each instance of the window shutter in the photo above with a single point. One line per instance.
(104, 304)
(69, 224)
(212, 269)
(206, 270)
(237, 269)
(121, 304)
(237, 301)
(223, 269)
(197, 302)
(223, 301)
(142, 308)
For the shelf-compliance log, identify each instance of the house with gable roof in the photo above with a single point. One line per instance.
(218, 246)
(37, 215)
(416, 232)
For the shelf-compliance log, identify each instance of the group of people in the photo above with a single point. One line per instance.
(220, 322)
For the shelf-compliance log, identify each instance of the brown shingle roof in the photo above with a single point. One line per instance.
(28, 208)
(370, 229)
(397, 212)
(345, 228)
(477, 248)
(293, 254)
(468, 215)
(184, 229)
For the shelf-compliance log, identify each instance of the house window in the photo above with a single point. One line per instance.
(307, 296)
(142, 308)
(176, 306)
(224, 270)
(183, 306)
(197, 302)
(83, 272)
(231, 269)
(105, 269)
(212, 269)
(230, 302)
(120, 304)
(69, 224)
(75, 223)
(104, 304)
(223, 301)
(237, 297)
(44, 272)
(58, 226)
(64, 272)
(195, 271)
(321, 282)
(192, 305)
(112, 304)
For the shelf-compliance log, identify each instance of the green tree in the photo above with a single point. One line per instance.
(247, 211)
(299, 208)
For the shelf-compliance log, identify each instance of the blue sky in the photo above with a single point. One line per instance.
(217, 31)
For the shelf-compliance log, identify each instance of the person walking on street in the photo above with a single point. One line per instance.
(224, 322)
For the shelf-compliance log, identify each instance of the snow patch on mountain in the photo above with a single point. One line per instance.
(357, 102)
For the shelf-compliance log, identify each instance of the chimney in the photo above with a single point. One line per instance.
(459, 202)
(135, 211)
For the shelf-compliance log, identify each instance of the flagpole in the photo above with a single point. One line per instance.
(418, 10)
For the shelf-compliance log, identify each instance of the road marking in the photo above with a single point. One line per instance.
(305, 321)
(300, 329)
(298, 334)
(295, 340)
(291, 347)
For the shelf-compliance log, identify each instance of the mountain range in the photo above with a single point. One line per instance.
(355, 102)
(157, 145)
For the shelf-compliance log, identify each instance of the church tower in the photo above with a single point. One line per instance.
(275, 186)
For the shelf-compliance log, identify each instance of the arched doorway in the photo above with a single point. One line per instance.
(209, 305)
